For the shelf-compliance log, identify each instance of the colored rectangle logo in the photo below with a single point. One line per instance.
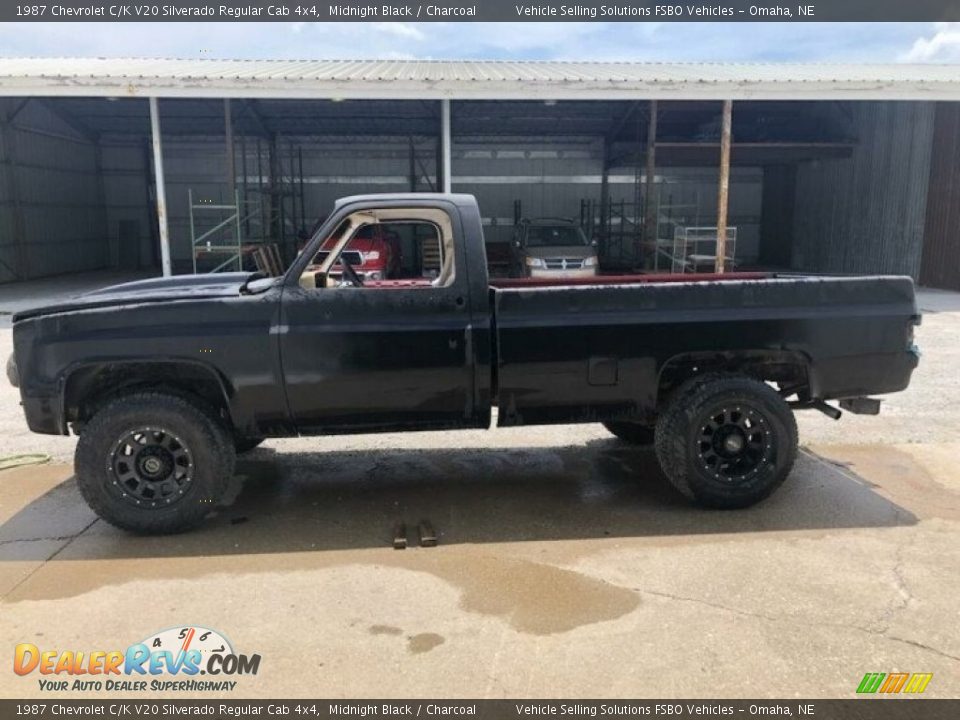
(894, 683)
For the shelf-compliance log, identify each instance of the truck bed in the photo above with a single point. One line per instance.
(574, 351)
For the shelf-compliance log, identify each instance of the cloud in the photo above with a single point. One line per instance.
(942, 46)
(626, 41)
(399, 29)
(547, 40)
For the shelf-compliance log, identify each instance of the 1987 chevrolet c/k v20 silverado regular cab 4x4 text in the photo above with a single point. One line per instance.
(166, 380)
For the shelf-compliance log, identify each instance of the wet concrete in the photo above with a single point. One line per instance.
(572, 570)
(566, 566)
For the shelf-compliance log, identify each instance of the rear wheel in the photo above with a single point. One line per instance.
(726, 441)
(153, 463)
(631, 432)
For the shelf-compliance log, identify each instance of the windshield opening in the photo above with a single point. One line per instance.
(555, 235)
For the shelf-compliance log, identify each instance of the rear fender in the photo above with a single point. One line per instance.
(791, 369)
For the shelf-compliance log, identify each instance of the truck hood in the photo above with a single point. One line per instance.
(163, 289)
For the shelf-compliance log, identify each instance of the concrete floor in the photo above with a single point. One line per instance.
(566, 564)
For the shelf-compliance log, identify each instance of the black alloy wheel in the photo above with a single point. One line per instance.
(154, 463)
(726, 441)
(735, 442)
(151, 466)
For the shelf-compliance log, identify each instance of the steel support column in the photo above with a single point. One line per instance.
(160, 187)
(724, 188)
(604, 228)
(649, 216)
(229, 151)
(413, 165)
(445, 149)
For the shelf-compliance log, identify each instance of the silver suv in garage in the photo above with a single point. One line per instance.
(553, 247)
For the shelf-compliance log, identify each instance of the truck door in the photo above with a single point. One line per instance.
(381, 354)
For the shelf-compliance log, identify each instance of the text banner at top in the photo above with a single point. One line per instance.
(483, 11)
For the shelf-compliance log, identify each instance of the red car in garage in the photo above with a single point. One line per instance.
(374, 253)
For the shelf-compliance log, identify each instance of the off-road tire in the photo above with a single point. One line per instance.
(245, 444)
(208, 443)
(632, 432)
(688, 434)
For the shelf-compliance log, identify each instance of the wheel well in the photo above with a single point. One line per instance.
(789, 370)
(89, 388)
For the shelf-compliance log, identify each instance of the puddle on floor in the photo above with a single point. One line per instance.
(920, 478)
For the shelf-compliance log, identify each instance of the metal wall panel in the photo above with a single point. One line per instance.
(779, 197)
(549, 177)
(332, 168)
(52, 211)
(865, 214)
(940, 265)
(126, 171)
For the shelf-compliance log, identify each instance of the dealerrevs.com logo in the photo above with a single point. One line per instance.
(171, 660)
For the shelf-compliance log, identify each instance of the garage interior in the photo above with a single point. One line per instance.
(834, 186)
(564, 560)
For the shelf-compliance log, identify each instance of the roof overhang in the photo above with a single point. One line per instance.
(470, 80)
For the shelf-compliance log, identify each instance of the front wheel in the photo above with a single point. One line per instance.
(726, 441)
(153, 463)
(243, 444)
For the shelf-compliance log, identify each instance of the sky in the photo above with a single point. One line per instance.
(668, 42)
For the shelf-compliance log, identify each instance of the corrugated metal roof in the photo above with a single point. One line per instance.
(473, 79)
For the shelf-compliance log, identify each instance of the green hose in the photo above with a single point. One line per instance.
(12, 461)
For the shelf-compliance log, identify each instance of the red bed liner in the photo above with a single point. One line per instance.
(504, 283)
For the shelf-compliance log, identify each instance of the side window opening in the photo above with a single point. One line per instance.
(384, 249)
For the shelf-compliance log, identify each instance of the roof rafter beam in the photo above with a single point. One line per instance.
(621, 121)
(74, 123)
(250, 107)
(432, 107)
(16, 110)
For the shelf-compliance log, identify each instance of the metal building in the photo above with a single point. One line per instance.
(142, 164)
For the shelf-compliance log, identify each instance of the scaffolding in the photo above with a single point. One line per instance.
(216, 232)
(696, 248)
(618, 227)
(277, 190)
(263, 212)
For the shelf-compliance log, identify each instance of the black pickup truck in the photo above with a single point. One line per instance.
(165, 380)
